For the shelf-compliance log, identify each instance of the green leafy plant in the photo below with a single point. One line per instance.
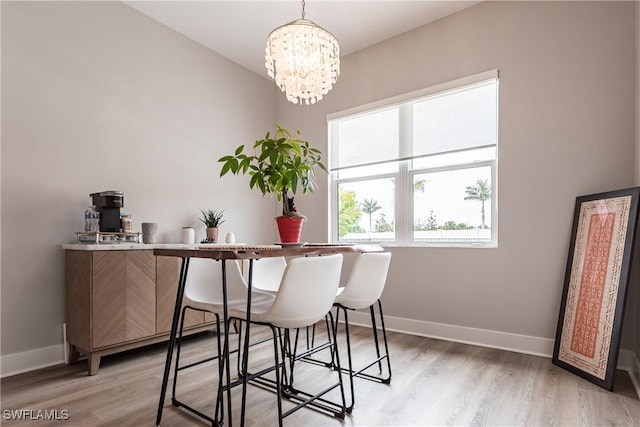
(280, 165)
(212, 218)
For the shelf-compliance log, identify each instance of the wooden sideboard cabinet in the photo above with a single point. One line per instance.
(117, 300)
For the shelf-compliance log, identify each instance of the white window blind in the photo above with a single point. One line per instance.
(417, 168)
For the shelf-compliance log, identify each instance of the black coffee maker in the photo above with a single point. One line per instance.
(108, 204)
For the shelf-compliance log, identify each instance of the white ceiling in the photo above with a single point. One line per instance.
(238, 29)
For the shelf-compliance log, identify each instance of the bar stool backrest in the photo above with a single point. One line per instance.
(267, 273)
(307, 291)
(366, 281)
(204, 282)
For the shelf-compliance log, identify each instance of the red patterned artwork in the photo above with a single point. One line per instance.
(585, 328)
(593, 284)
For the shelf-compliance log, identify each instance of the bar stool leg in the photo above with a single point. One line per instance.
(375, 336)
(386, 345)
(349, 408)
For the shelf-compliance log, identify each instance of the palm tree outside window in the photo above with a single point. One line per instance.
(481, 191)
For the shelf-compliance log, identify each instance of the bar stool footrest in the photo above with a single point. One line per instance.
(178, 404)
(293, 394)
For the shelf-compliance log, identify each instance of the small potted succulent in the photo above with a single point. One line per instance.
(280, 164)
(212, 219)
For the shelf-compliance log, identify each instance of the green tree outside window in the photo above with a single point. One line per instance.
(349, 214)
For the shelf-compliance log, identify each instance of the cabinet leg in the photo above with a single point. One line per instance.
(74, 354)
(94, 363)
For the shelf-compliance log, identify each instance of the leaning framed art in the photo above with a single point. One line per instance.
(596, 280)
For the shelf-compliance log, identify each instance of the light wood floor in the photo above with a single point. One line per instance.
(434, 383)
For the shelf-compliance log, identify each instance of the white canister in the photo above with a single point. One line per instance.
(231, 238)
(188, 235)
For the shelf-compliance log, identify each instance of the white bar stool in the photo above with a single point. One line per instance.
(363, 289)
(204, 293)
(305, 296)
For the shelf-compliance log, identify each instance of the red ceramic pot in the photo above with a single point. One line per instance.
(290, 228)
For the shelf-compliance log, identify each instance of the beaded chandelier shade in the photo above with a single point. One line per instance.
(303, 59)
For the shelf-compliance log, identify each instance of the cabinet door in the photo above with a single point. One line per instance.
(123, 296)
(78, 298)
(167, 274)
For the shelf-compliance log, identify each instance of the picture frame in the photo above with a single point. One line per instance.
(597, 277)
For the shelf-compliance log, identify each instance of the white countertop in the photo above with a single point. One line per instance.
(141, 246)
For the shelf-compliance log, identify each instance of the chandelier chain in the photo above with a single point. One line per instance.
(303, 9)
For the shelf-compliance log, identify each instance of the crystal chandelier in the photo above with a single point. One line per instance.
(303, 59)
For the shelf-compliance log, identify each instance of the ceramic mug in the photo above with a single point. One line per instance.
(149, 232)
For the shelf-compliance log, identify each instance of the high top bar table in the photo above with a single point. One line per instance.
(223, 253)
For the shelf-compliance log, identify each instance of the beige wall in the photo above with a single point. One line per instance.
(635, 303)
(637, 145)
(96, 96)
(631, 325)
(566, 129)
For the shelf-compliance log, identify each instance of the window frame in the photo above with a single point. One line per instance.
(404, 199)
(493, 205)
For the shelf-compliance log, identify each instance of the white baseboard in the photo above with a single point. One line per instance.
(486, 338)
(635, 374)
(628, 361)
(625, 360)
(17, 363)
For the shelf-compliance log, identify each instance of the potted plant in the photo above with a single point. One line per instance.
(212, 219)
(281, 165)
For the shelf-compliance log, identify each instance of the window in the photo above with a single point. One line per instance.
(419, 169)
